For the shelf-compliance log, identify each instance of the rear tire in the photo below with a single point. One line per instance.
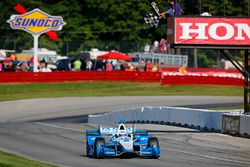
(98, 142)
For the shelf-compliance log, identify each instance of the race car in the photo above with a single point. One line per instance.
(121, 141)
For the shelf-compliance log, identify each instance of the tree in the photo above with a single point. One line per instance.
(93, 21)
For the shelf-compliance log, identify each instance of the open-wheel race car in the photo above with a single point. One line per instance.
(121, 141)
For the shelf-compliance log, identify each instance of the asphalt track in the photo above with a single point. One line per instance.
(51, 130)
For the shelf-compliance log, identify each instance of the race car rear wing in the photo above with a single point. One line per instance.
(94, 132)
(140, 132)
(110, 131)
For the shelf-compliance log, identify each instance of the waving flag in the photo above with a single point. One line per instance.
(20, 9)
(52, 35)
(152, 20)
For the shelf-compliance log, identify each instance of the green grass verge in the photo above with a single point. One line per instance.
(11, 160)
(78, 89)
(228, 108)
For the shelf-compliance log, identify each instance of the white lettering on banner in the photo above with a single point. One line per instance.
(222, 75)
(186, 30)
(241, 28)
(201, 29)
(203, 74)
(213, 31)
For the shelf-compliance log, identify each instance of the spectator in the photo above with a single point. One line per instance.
(155, 47)
(206, 12)
(104, 62)
(147, 48)
(24, 67)
(132, 67)
(113, 64)
(168, 47)
(149, 66)
(13, 57)
(1, 66)
(44, 68)
(89, 65)
(122, 66)
(118, 65)
(42, 60)
(83, 65)
(137, 58)
(163, 46)
(155, 68)
(77, 65)
(174, 10)
(109, 66)
(142, 65)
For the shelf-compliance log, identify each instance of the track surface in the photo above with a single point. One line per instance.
(50, 130)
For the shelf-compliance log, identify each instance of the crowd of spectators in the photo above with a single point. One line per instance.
(158, 47)
(113, 65)
(12, 64)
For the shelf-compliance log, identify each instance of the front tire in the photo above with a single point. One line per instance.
(99, 144)
(153, 142)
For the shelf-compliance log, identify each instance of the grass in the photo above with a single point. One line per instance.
(228, 108)
(79, 89)
(11, 160)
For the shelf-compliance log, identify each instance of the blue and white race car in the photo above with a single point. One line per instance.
(121, 141)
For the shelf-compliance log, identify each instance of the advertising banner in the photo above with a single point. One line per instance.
(36, 22)
(209, 31)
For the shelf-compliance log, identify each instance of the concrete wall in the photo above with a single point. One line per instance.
(213, 120)
(245, 124)
(183, 116)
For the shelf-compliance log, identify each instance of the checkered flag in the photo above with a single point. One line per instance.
(152, 20)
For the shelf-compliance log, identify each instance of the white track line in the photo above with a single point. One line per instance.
(59, 127)
(206, 156)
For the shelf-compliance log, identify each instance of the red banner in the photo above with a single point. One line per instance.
(211, 31)
(166, 78)
(128, 76)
